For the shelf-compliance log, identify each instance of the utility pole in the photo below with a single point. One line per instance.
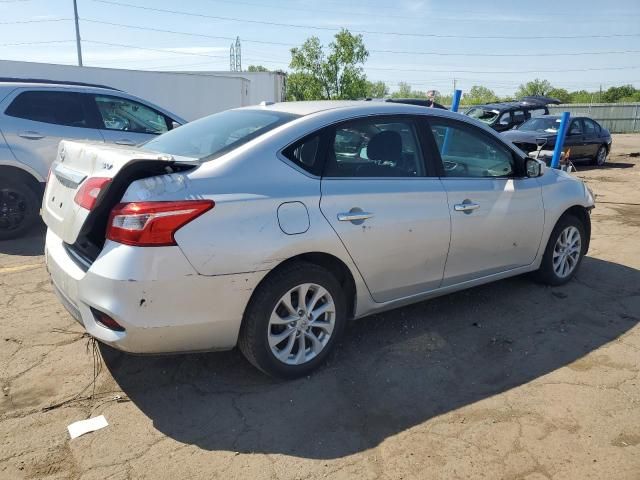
(600, 96)
(78, 46)
(454, 84)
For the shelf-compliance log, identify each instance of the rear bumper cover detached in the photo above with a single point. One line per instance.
(164, 305)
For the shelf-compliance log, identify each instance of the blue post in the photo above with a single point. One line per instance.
(454, 108)
(562, 132)
(457, 94)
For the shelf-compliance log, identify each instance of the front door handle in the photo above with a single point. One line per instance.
(31, 135)
(125, 141)
(354, 216)
(466, 207)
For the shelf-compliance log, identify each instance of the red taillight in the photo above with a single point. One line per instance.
(153, 224)
(87, 194)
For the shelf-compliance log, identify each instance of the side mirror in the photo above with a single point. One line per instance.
(533, 167)
(175, 125)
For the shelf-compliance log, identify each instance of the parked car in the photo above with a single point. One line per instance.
(34, 117)
(269, 227)
(504, 116)
(586, 139)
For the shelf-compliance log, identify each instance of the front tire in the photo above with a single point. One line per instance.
(19, 206)
(293, 321)
(564, 252)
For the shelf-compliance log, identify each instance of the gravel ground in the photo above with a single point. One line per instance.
(508, 380)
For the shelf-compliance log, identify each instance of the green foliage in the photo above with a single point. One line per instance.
(616, 94)
(535, 87)
(405, 91)
(377, 90)
(331, 73)
(257, 68)
(478, 95)
(561, 94)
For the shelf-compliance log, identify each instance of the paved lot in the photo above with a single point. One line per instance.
(509, 380)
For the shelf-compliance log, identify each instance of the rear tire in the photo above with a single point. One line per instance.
(287, 338)
(564, 252)
(19, 206)
(601, 156)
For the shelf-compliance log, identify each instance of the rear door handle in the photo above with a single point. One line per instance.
(125, 141)
(354, 216)
(31, 135)
(466, 207)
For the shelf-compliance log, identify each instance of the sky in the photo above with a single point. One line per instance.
(426, 43)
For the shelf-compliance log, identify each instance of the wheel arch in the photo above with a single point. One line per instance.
(582, 214)
(331, 263)
(20, 174)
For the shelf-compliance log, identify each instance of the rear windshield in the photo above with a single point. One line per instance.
(217, 134)
(541, 124)
(486, 116)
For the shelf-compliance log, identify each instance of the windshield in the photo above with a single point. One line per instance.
(486, 116)
(215, 135)
(541, 124)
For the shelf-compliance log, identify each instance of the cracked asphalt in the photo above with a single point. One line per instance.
(511, 380)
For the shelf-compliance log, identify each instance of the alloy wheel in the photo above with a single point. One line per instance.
(13, 209)
(566, 252)
(602, 156)
(301, 324)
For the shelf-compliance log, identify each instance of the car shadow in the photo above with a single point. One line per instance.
(392, 371)
(29, 245)
(585, 167)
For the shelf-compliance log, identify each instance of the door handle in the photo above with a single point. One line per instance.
(125, 141)
(354, 216)
(31, 135)
(466, 207)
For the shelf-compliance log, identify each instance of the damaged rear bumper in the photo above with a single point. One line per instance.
(162, 303)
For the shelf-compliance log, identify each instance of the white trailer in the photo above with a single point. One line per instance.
(190, 95)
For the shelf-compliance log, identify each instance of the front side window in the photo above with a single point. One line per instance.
(375, 147)
(217, 134)
(518, 116)
(60, 108)
(467, 152)
(575, 128)
(126, 115)
(505, 119)
(537, 112)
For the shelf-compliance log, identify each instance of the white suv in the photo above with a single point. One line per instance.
(34, 117)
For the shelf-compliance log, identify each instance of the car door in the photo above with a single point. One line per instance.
(497, 215)
(591, 137)
(575, 140)
(35, 121)
(126, 122)
(391, 216)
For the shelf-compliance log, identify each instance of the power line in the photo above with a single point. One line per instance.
(407, 52)
(163, 50)
(44, 20)
(34, 43)
(370, 32)
(500, 72)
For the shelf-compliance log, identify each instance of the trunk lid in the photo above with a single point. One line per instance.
(74, 164)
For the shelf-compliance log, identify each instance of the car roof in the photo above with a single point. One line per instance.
(508, 105)
(306, 108)
(35, 83)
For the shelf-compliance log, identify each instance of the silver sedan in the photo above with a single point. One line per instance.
(270, 227)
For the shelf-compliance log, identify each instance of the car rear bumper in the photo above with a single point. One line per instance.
(155, 294)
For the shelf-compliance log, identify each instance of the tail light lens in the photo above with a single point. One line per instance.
(87, 195)
(153, 224)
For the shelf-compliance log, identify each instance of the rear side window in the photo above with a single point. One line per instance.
(537, 112)
(305, 154)
(126, 115)
(518, 116)
(217, 134)
(60, 108)
(590, 127)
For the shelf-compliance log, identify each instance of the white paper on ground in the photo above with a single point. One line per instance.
(85, 426)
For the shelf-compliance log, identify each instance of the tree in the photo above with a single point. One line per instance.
(561, 94)
(377, 90)
(333, 74)
(478, 95)
(535, 87)
(257, 68)
(616, 94)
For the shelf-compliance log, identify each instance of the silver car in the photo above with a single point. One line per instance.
(270, 227)
(34, 117)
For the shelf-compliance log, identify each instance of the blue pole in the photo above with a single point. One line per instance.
(457, 94)
(454, 108)
(562, 132)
